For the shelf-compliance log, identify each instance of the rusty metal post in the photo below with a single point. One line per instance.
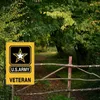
(12, 92)
(69, 76)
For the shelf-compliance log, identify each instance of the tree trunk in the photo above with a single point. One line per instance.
(81, 54)
(59, 49)
(56, 36)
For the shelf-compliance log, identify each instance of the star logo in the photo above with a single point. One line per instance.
(20, 56)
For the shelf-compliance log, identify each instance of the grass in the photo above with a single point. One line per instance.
(58, 97)
(16, 98)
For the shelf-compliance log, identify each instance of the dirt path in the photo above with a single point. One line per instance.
(40, 72)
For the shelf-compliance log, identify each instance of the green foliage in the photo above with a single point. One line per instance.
(59, 15)
(86, 30)
(16, 98)
(66, 23)
(58, 97)
(9, 24)
(5, 92)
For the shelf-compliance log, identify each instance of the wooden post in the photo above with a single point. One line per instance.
(69, 76)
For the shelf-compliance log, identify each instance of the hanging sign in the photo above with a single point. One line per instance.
(19, 63)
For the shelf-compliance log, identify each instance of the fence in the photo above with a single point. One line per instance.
(69, 79)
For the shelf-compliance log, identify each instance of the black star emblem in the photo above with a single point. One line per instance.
(20, 56)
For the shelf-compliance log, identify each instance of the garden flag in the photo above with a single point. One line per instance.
(19, 63)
